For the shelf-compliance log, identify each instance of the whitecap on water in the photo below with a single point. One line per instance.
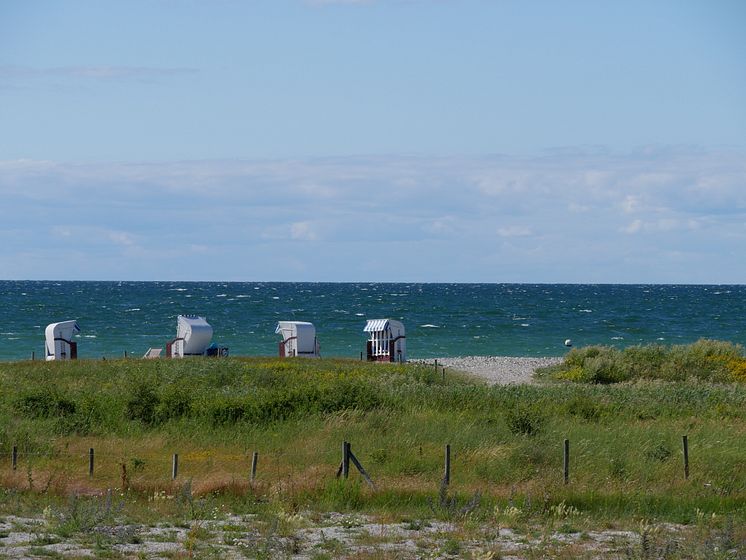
(359, 314)
(525, 325)
(275, 297)
(429, 326)
(222, 295)
(131, 310)
(242, 296)
(585, 310)
(89, 336)
(177, 290)
(617, 338)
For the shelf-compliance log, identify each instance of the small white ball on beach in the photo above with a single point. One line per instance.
(568, 342)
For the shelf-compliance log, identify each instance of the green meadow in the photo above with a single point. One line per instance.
(625, 465)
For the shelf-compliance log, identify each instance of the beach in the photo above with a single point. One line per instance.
(498, 370)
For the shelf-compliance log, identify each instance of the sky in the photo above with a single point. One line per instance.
(382, 140)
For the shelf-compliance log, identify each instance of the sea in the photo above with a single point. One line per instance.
(441, 320)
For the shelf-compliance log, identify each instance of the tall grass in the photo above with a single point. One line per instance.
(506, 441)
(704, 360)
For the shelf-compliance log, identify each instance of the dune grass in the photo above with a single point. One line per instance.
(626, 458)
(704, 360)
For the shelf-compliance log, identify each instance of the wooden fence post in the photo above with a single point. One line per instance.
(685, 442)
(566, 461)
(254, 459)
(14, 457)
(345, 459)
(175, 466)
(33, 355)
(359, 466)
(447, 473)
(90, 462)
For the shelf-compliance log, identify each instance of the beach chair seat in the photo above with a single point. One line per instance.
(153, 353)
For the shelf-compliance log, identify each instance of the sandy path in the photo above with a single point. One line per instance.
(498, 370)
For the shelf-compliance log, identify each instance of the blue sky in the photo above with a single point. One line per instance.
(381, 140)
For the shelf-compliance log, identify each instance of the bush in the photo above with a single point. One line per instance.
(660, 452)
(737, 369)
(577, 356)
(644, 361)
(708, 360)
(585, 408)
(605, 369)
(227, 412)
(44, 404)
(175, 402)
(142, 404)
(525, 419)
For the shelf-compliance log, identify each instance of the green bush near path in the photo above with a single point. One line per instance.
(506, 440)
(704, 360)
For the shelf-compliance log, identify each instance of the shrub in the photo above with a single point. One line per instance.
(577, 356)
(585, 408)
(142, 404)
(737, 369)
(227, 412)
(525, 419)
(175, 402)
(659, 452)
(45, 403)
(709, 360)
(605, 369)
(644, 361)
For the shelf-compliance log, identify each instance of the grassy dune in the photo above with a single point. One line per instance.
(626, 458)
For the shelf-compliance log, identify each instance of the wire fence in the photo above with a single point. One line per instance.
(125, 469)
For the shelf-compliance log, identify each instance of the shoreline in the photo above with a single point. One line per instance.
(498, 370)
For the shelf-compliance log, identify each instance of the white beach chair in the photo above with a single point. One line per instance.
(153, 353)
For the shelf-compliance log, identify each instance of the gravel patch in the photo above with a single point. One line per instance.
(499, 370)
(304, 536)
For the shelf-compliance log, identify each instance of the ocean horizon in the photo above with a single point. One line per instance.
(441, 319)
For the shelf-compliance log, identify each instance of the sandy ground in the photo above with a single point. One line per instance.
(302, 536)
(498, 370)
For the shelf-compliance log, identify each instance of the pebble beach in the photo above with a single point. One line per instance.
(499, 370)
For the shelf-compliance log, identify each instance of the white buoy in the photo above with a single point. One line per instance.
(568, 342)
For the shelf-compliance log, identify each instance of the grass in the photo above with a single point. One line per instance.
(704, 360)
(506, 443)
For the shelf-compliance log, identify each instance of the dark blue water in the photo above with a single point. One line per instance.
(441, 319)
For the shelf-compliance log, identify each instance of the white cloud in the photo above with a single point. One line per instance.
(121, 238)
(416, 209)
(303, 231)
(514, 231)
(632, 228)
(630, 204)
